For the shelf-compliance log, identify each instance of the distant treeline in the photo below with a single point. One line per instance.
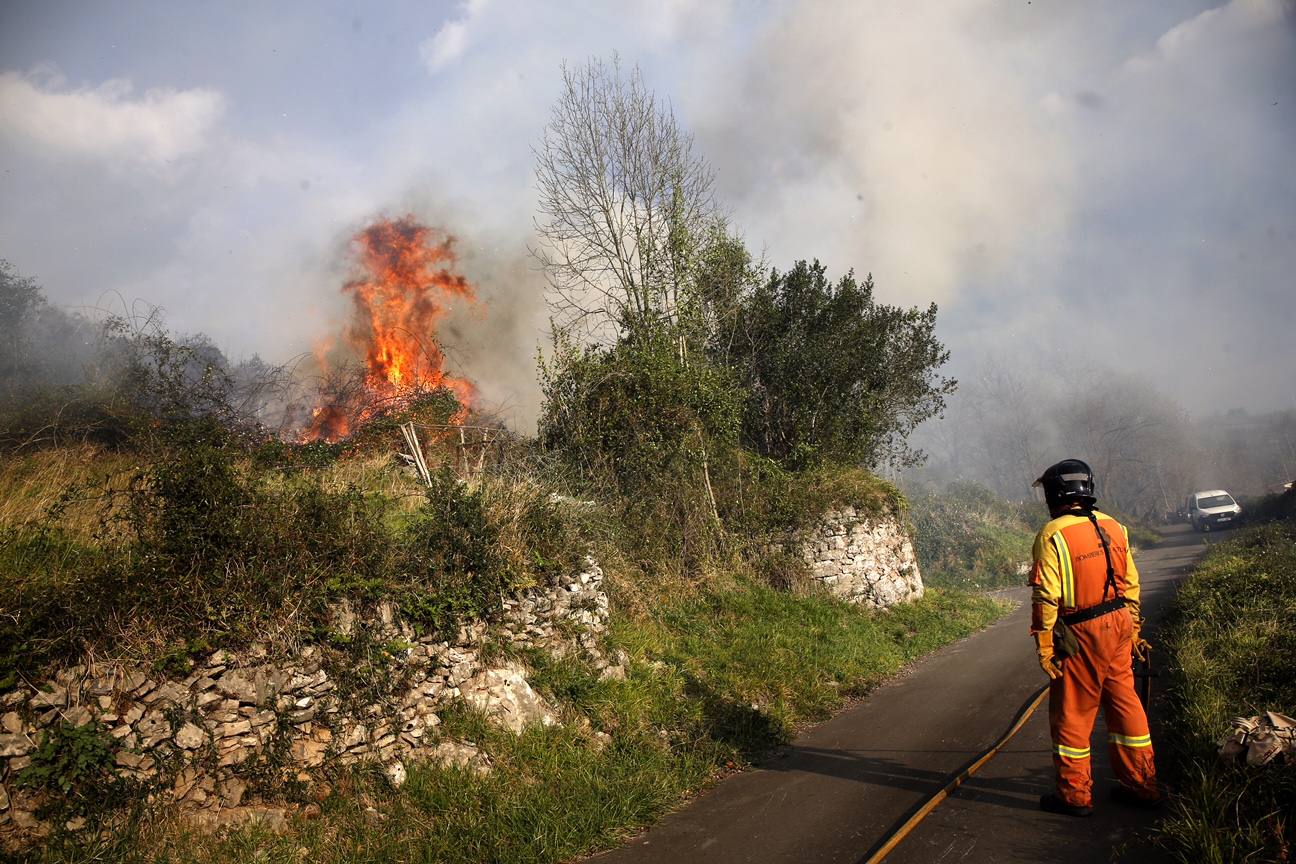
(101, 377)
(1007, 423)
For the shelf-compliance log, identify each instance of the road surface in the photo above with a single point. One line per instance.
(842, 787)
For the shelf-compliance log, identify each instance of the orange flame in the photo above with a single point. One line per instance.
(396, 306)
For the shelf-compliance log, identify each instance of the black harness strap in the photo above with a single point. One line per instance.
(1110, 584)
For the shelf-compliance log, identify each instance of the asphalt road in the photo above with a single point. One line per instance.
(844, 785)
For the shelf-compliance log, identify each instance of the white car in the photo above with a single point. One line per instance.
(1213, 509)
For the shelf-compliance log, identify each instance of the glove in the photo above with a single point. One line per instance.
(1044, 647)
(1139, 646)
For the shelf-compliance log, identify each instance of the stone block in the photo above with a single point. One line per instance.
(15, 745)
(184, 782)
(190, 737)
(238, 684)
(55, 697)
(307, 752)
(238, 727)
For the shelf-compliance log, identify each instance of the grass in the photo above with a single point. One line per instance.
(130, 555)
(79, 479)
(772, 660)
(966, 536)
(715, 679)
(1234, 654)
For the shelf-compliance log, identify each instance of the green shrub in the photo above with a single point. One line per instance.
(76, 765)
(451, 553)
(965, 535)
(827, 373)
(649, 432)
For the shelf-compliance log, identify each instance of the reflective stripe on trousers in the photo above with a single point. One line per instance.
(1100, 676)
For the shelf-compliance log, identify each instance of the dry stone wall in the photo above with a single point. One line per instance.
(204, 740)
(864, 558)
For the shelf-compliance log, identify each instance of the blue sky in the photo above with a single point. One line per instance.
(1105, 180)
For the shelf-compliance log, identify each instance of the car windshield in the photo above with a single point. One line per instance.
(1214, 501)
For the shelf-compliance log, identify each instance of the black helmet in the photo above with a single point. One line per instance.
(1069, 481)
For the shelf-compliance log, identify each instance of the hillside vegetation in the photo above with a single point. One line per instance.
(967, 536)
(164, 555)
(159, 522)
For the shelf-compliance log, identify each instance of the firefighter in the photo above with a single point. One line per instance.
(1083, 576)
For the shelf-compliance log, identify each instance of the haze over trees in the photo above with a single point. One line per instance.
(67, 377)
(1008, 423)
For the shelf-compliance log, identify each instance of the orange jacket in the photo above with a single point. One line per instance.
(1070, 570)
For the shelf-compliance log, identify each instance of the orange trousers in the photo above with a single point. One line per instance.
(1100, 675)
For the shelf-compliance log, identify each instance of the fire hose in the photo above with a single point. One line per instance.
(892, 840)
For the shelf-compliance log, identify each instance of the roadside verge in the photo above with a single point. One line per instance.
(1234, 652)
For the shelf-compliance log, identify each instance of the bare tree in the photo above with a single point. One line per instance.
(1137, 441)
(624, 204)
(1011, 433)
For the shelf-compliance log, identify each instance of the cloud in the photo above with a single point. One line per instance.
(450, 41)
(1235, 18)
(108, 121)
(1183, 244)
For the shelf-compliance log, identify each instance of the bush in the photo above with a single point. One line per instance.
(1270, 508)
(75, 764)
(202, 546)
(966, 535)
(452, 548)
(639, 423)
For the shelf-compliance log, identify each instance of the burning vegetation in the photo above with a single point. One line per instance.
(408, 279)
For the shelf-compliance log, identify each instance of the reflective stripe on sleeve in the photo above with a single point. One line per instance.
(1071, 752)
(1130, 740)
(1064, 568)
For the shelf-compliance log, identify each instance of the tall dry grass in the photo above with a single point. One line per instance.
(85, 476)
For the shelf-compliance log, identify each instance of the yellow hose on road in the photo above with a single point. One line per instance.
(931, 803)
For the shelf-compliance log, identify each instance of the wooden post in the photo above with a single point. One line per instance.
(420, 464)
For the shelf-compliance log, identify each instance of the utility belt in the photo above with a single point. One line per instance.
(1091, 612)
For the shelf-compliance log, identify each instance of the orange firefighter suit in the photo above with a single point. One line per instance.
(1070, 575)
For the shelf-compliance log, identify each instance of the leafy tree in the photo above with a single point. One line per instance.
(20, 300)
(830, 374)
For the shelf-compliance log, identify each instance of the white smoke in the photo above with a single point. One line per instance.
(1067, 181)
